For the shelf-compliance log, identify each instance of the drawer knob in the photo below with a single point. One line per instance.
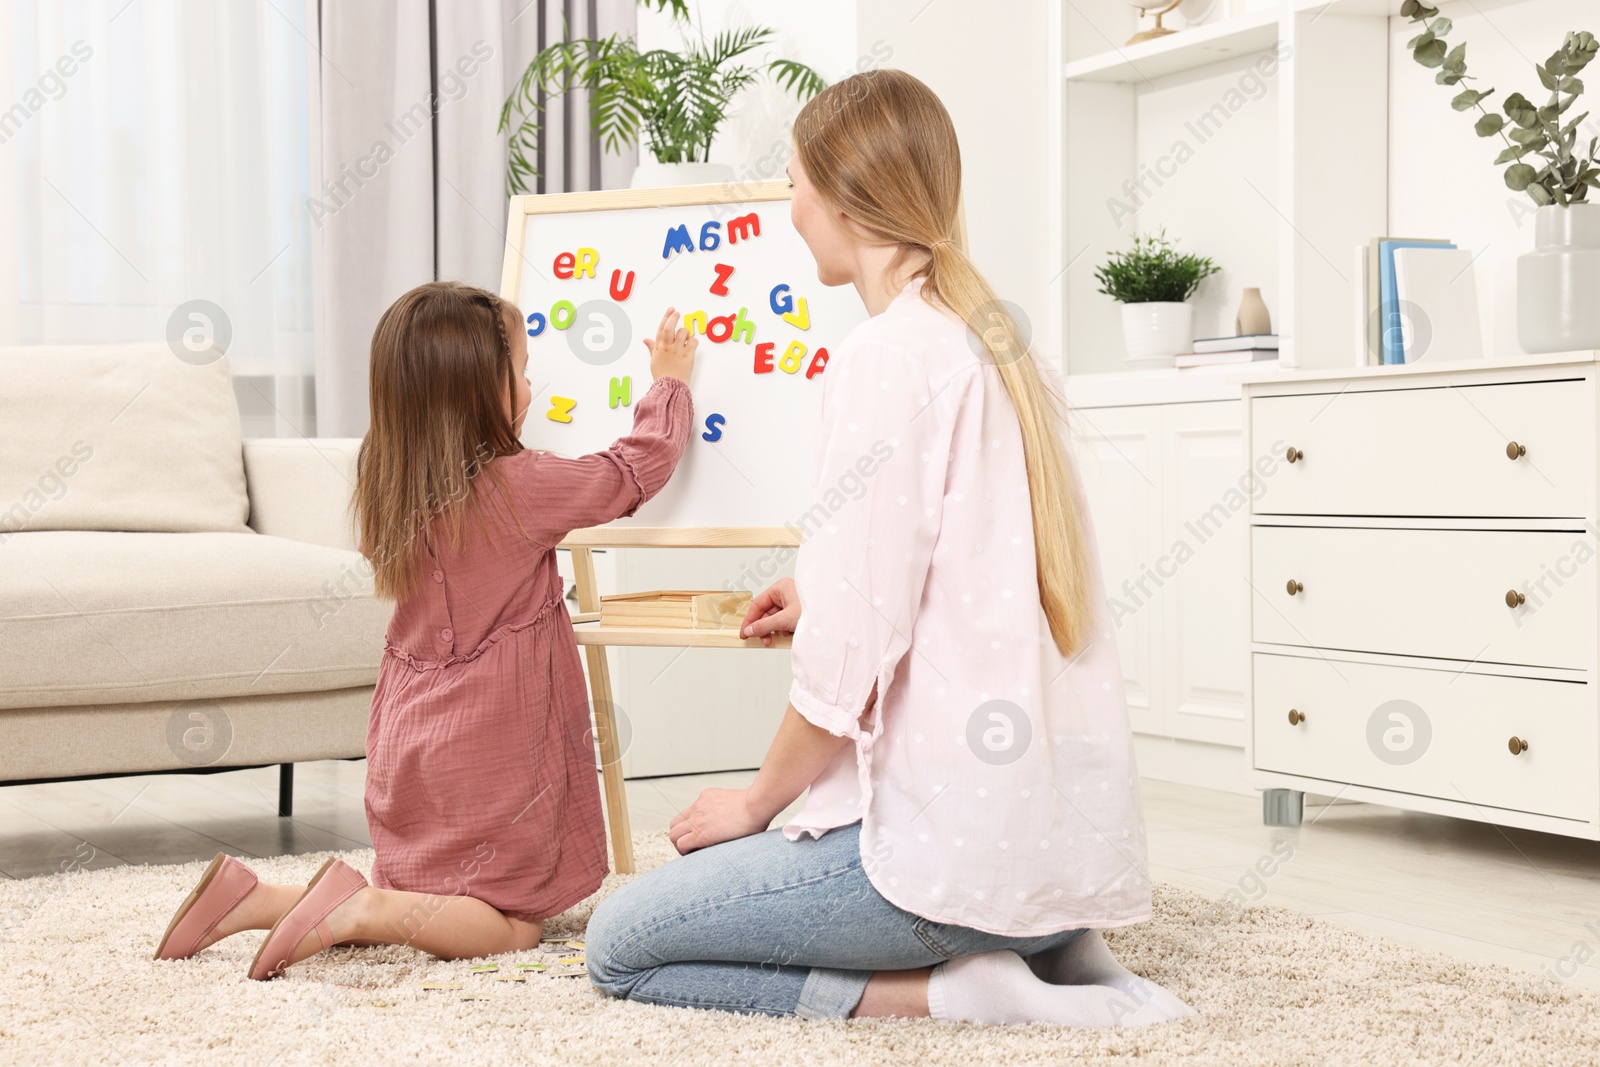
(1296, 717)
(1294, 455)
(1518, 746)
(1514, 599)
(1294, 587)
(1516, 451)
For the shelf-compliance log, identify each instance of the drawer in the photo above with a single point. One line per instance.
(1429, 732)
(1430, 451)
(1427, 592)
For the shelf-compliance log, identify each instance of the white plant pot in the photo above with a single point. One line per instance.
(1558, 283)
(1155, 332)
(653, 175)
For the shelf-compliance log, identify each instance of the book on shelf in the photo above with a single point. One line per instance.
(1381, 316)
(1437, 293)
(1243, 342)
(1238, 355)
(676, 609)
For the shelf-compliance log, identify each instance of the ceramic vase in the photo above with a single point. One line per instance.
(1558, 283)
(1253, 317)
(1156, 331)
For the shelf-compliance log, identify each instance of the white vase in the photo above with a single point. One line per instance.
(1154, 332)
(1558, 283)
(653, 175)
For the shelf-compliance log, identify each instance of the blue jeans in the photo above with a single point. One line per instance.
(769, 926)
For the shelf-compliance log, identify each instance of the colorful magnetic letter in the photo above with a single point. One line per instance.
(695, 322)
(620, 289)
(800, 318)
(563, 265)
(719, 329)
(535, 324)
(678, 240)
(710, 236)
(743, 228)
(713, 427)
(720, 286)
(780, 301)
(621, 390)
(562, 314)
(764, 357)
(561, 409)
(819, 363)
(790, 362)
(587, 258)
(743, 329)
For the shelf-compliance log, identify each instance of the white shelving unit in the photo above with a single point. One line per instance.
(1295, 99)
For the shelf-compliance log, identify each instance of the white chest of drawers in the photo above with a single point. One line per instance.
(1423, 575)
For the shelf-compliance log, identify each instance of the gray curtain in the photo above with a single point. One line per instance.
(408, 171)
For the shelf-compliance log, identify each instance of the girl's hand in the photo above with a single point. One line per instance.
(672, 352)
(717, 815)
(776, 609)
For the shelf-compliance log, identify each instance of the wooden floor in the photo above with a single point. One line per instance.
(1473, 890)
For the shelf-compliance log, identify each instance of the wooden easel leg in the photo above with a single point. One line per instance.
(605, 722)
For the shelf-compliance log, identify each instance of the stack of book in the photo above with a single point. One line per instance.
(1416, 297)
(678, 609)
(1245, 349)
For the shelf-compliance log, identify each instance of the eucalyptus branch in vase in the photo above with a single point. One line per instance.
(1527, 130)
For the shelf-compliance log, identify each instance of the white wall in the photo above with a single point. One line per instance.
(987, 62)
(1442, 181)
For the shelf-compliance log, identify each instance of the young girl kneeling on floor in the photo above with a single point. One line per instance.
(481, 794)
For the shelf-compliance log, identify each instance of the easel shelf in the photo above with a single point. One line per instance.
(592, 633)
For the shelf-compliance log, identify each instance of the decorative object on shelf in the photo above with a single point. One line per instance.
(1157, 30)
(676, 101)
(1555, 309)
(1437, 291)
(1252, 317)
(1245, 348)
(1152, 281)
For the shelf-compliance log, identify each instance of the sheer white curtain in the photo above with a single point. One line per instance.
(409, 204)
(156, 153)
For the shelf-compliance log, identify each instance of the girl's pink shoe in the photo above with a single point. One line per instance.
(334, 884)
(218, 892)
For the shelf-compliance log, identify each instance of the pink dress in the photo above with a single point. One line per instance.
(481, 775)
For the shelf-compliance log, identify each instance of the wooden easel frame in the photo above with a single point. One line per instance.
(593, 638)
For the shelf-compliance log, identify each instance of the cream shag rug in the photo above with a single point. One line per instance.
(1271, 987)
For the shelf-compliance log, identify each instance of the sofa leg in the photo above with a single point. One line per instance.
(285, 790)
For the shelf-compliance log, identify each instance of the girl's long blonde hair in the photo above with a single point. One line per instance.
(440, 371)
(881, 148)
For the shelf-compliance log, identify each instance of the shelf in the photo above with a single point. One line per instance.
(669, 637)
(1183, 50)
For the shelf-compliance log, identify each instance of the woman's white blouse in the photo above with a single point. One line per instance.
(995, 779)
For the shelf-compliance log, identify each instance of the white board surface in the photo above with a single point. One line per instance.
(757, 472)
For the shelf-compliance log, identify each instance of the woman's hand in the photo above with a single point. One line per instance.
(672, 352)
(776, 609)
(717, 815)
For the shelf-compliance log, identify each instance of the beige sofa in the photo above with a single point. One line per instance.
(171, 598)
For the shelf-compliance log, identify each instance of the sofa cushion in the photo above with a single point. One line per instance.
(93, 618)
(118, 437)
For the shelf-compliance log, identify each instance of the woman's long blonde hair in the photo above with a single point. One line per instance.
(880, 147)
(440, 371)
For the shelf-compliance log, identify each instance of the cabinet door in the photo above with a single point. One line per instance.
(1118, 455)
(1200, 559)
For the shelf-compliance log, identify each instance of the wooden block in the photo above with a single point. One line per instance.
(682, 609)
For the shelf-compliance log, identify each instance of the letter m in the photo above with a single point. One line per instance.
(743, 228)
(677, 241)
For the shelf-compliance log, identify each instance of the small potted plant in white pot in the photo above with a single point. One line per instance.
(676, 102)
(1153, 282)
(1558, 282)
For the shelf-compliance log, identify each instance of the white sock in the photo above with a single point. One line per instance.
(998, 987)
(1087, 960)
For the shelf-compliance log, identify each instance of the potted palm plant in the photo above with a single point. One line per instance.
(675, 102)
(1557, 281)
(1153, 283)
